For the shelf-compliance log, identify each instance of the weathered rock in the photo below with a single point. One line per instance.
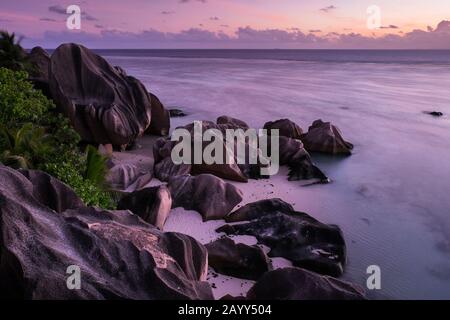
(127, 177)
(160, 123)
(236, 123)
(257, 209)
(151, 204)
(300, 284)
(166, 169)
(286, 127)
(327, 138)
(293, 154)
(40, 74)
(119, 255)
(212, 197)
(237, 259)
(293, 235)
(102, 102)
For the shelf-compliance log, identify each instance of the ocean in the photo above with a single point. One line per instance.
(392, 196)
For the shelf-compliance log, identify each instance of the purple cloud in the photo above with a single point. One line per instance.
(248, 37)
(328, 9)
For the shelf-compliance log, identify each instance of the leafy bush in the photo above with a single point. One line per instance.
(12, 55)
(34, 136)
(19, 101)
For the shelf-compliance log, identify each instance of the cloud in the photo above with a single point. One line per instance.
(224, 25)
(248, 37)
(328, 9)
(99, 26)
(167, 12)
(58, 9)
(214, 18)
(187, 1)
(48, 19)
(315, 31)
(391, 26)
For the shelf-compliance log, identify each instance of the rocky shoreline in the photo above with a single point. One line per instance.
(126, 253)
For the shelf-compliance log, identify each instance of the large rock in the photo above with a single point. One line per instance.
(301, 166)
(212, 197)
(293, 235)
(230, 121)
(160, 123)
(300, 284)
(151, 204)
(327, 138)
(127, 177)
(119, 255)
(103, 103)
(237, 259)
(286, 127)
(40, 73)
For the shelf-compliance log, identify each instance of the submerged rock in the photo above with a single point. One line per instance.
(237, 259)
(151, 204)
(327, 138)
(300, 284)
(212, 197)
(103, 103)
(286, 127)
(293, 235)
(174, 113)
(435, 113)
(45, 230)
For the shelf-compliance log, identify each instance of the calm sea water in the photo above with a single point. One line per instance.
(392, 197)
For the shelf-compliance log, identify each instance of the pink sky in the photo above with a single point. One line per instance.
(232, 23)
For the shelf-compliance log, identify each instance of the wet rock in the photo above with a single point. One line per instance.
(103, 103)
(286, 127)
(300, 284)
(293, 154)
(237, 260)
(151, 204)
(119, 255)
(293, 235)
(327, 138)
(236, 123)
(174, 113)
(212, 197)
(435, 113)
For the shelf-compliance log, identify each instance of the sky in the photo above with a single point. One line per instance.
(302, 24)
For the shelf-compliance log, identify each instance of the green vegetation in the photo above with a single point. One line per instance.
(34, 136)
(12, 55)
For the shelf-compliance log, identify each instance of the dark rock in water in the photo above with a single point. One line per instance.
(40, 75)
(327, 138)
(212, 197)
(236, 123)
(293, 235)
(300, 284)
(102, 102)
(118, 254)
(174, 113)
(160, 123)
(258, 209)
(435, 113)
(151, 204)
(237, 260)
(286, 127)
(230, 297)
(294, 155)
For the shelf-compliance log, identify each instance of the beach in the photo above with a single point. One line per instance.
(389, 198)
